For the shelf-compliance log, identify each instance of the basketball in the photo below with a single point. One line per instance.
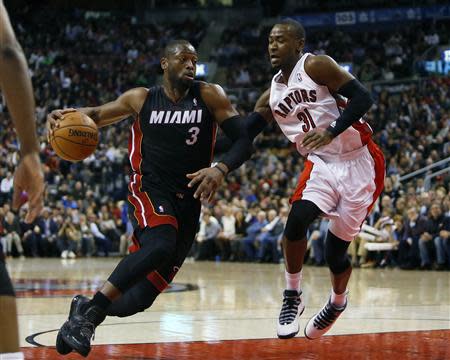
(76, 138)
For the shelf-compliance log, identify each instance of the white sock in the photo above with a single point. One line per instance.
(339, 299)
(12, 356)
(293, 281)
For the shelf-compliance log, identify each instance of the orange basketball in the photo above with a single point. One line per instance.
(76, 138)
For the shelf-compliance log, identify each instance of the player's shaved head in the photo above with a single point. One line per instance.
(294, 27)
(175, 46)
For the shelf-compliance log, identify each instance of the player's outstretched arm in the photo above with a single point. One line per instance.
(17, 89)
(126, 105)
(254, 122)
(325, 71)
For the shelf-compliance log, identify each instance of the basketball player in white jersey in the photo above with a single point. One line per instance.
(344, 169)
(15, 85)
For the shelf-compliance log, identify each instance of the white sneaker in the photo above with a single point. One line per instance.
(72, 255)
(64, 254)
(320, 323)
(292, 308)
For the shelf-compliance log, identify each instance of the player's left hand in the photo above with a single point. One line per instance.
(209, 178)
(316, 138)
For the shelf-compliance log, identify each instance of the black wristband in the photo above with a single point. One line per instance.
(224, 173)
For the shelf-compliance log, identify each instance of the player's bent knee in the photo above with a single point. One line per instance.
(302, 214)
(336, 254)
(338, 265)
(159, 241)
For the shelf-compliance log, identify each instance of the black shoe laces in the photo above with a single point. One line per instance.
(87, 330)
(289, 309)
(326, 317)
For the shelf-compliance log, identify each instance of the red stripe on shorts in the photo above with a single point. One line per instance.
(157, 280)
(380, 171)
(304, 177)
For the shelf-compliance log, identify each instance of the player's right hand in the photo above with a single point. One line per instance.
(29, 178)
(54, 119)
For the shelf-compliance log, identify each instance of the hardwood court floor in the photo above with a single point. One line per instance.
(229, 311)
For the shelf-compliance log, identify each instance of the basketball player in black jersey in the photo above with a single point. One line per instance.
(16, 86)
(171, 147)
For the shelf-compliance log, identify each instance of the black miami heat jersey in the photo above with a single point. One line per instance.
(169, 140)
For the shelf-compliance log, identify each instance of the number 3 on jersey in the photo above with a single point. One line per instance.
(193, 131)
(308, 122)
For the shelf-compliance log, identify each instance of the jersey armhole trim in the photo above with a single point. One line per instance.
(315, 82)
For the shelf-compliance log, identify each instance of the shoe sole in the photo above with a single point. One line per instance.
(76, 346)
(61, 347)
(291, 335)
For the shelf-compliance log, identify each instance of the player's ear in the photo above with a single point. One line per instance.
(164, 63)
(300, 45)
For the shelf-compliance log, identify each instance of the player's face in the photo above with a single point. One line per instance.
(284, 47)
(181, 66)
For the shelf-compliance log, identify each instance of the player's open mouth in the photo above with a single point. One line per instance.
(189, 76)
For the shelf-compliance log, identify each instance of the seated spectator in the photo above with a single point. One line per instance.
(102, 243)
(251, 242)
(206, 248)
(69, 238)
(381, 243)
(87, 238)
(108, 226)
(49, 233)
(270, 235)
(408, 251)
(11, 235)
(318, 232)
(228, 233)
(442, 243)
(426, 240)
(237, 253)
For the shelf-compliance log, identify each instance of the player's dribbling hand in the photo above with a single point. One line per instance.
(54, 118)
(209, 179)
(29, 177)
(316, 138)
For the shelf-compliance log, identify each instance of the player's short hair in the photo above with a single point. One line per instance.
(171, 47)
(295, 26)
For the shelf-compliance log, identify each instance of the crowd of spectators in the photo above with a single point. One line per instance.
(387, 53)
(86, 202)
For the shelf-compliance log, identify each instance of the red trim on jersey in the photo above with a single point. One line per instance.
(303, 178)
(134, 146)
(365, 131)
(146, 209)
(380, 171)
(137, 208)
(213, 142)
(135, 246)
(157, 280)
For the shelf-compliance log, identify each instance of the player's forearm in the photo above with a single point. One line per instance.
(360, 102)
(16, 85)
(241, 149)
(99, 116)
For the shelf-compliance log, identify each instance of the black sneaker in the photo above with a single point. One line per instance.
(75, 306)
(292, 308)
(79, 330)
(320, 323)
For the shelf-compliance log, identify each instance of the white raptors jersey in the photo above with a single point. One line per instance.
(302, 105)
